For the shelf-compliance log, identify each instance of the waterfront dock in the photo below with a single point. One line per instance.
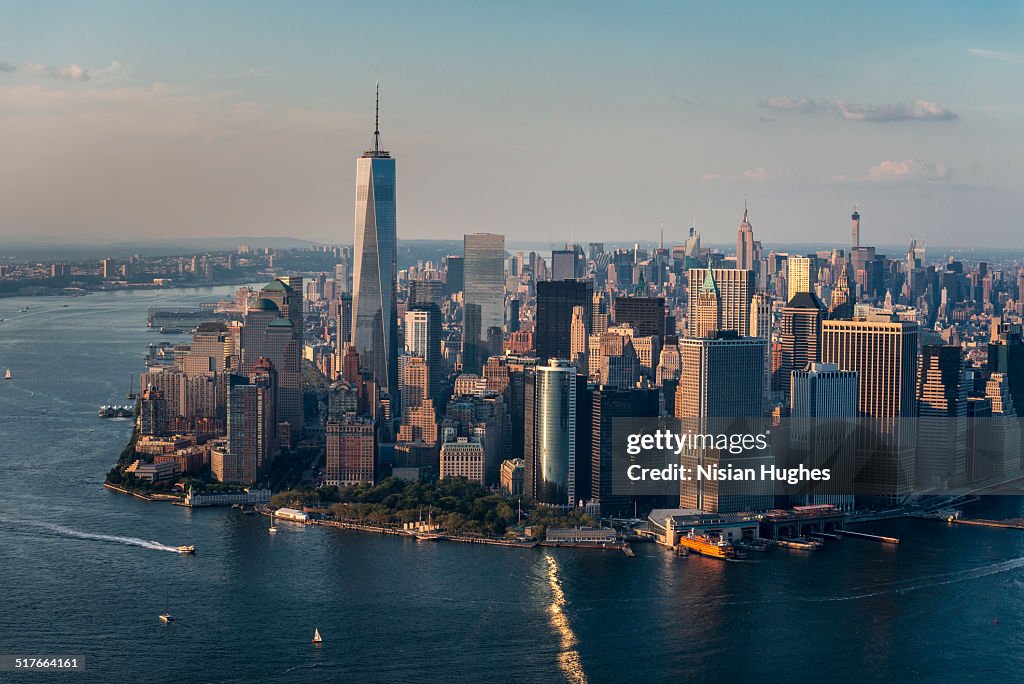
(144, 497)
(1010, 524)
(871, 537)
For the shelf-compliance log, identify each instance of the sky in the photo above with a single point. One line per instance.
(547, 121)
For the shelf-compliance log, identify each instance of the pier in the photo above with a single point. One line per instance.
(872, 537)
(1011, 524)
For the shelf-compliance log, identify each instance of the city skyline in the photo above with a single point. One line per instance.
(142, 139)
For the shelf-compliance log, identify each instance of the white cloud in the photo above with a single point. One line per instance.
(908, 170)
(71, 72)
(997, 55)
(918, 110)
(759, 174)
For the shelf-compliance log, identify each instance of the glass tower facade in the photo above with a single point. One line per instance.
(375, 322)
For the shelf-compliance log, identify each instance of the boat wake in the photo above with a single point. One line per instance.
(77, 534)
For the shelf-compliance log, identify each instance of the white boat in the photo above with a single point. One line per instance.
(166, 617)
(273, 528)
(317, 639)
(186, 549)
(7, 375)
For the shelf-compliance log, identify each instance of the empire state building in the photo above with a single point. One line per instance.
(374, 316)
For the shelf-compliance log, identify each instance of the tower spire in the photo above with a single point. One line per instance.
(744, 207)
(376, 122)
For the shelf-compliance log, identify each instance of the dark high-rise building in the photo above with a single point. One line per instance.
(800, 337)
(1006, 356)
(290, 300)
(426, 292)
(423, 338)
(608, 404)
(942, 409)
(343, 326)
(645, 314)
(374, 280)
(251, 431)
(512, 315)
(456, 275)
(484, 291)
(555, 301)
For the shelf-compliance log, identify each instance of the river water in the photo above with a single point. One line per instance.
(83, 571)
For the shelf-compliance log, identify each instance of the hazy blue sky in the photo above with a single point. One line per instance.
(538, 120)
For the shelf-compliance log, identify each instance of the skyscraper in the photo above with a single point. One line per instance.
(843, 298)
(608, 404)
(798, 278)
(579, 342)
(266, 333)
(855, 228)
(707, 309)
(550, 444)
(375, 322)
(735, 289)
(555, 301)
(800, 335)
(883, 352)
(645, 314)
(722, 377)
(746, 249)
(942, 408)
(484, 289)
(823, 406)
(423, 338)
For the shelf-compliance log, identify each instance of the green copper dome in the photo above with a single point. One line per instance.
(264, 304)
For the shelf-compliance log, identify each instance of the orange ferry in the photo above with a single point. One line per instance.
(707, 546)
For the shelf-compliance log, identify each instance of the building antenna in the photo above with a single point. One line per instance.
(661, 243)
(744, 207)
(376, 122)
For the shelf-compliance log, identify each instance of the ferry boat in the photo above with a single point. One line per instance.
(712, 547)
(186, 549)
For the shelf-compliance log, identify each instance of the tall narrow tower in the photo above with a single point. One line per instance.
(855, 227)
(375, 323)
(746, 252)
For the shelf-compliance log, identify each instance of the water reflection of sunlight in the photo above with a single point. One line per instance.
(568, 657)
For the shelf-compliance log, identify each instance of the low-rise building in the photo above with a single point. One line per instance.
(154, 472)
(512, 476)
(463, 458)
(578, 535)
